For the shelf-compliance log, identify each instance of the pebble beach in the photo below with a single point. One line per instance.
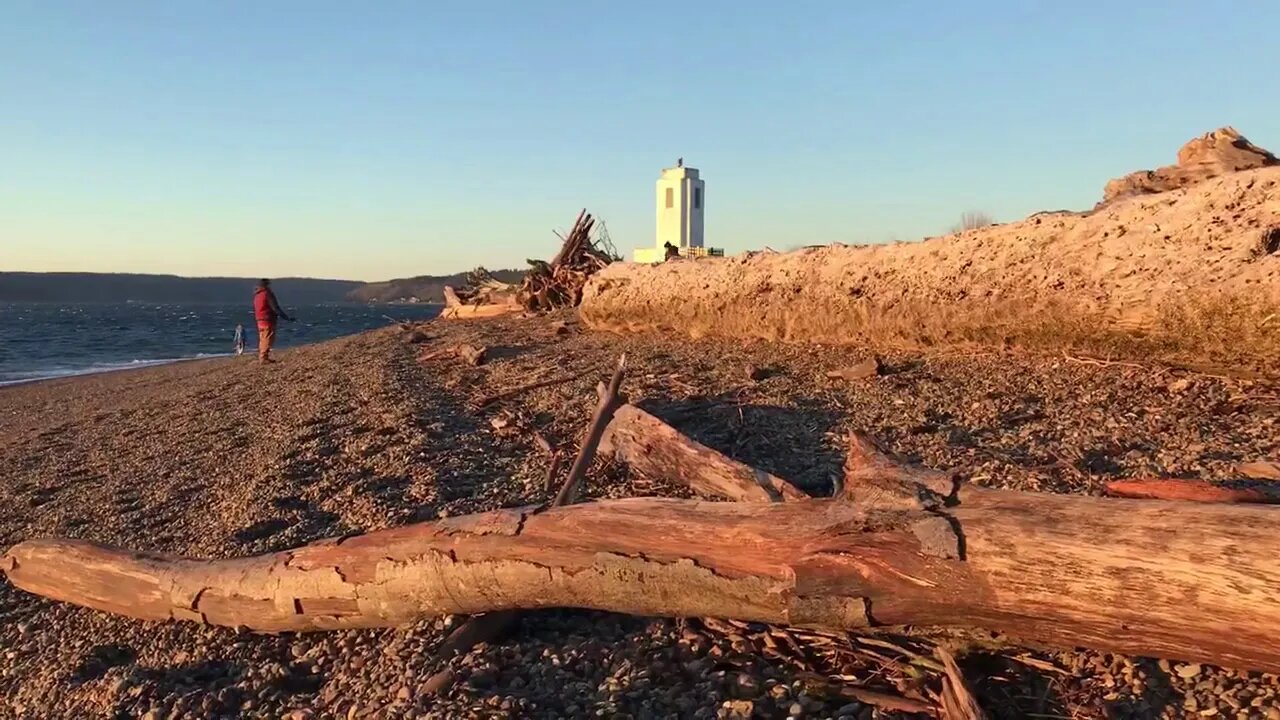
(223, 458)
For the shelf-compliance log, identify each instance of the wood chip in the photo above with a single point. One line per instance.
(957, 702)
(1260, 470)
(861, 371)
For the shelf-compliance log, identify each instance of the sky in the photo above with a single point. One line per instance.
(376, 140)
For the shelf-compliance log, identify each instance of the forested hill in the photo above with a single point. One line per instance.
(123, 287)
(427, 288)
(113, 287)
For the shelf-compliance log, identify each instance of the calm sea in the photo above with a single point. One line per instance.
(44, 340)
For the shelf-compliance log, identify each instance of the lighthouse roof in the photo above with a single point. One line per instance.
(679, 173)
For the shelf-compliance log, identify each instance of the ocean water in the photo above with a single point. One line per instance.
(46, 340)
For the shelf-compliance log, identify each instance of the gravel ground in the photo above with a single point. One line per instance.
(223, 457)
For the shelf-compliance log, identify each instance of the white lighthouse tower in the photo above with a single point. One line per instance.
(681, 198)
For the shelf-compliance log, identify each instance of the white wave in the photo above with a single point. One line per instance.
(28, 376)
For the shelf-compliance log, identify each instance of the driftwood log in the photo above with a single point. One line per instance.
(651, 447)
(898, 546)
(1190, 490)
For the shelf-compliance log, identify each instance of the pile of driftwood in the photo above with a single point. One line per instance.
(482, 288)
(546, 286)
(482, 296)
(559, 283)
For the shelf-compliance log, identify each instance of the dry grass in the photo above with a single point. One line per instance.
(1214, 332)
(1189, 277)
(972, 220)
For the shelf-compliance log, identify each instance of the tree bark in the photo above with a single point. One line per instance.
(1170, 579)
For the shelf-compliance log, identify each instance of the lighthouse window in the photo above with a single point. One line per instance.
(697, 197)
(670, 197)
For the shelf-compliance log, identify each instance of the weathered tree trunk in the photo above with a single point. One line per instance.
(1183, 580)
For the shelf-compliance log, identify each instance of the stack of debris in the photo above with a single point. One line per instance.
(559, 283)
(547, 285)
(482, 296)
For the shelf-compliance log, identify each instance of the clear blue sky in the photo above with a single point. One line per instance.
(385, 139)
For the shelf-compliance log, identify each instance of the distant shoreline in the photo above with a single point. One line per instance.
(71, 287)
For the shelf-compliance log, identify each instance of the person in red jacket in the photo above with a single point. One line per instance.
(266, 310)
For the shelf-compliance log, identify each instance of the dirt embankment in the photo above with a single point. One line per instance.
(1209, 156)
(1190, 276)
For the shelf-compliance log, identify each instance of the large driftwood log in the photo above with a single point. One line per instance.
(1182, 580)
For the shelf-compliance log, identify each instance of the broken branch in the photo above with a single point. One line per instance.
(506, 394)
(610, 401)
(654, 449)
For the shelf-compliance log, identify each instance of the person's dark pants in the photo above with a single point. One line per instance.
(266, 338)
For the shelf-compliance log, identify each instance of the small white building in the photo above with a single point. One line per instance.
(681, 199)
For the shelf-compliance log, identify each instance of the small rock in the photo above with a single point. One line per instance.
(299, 714)
(1188, 670)
(1179, 385)
(861, 371)
(698, 667)
(482, 678)
(472, 355)
(796, 710)
(740, 709)
(747, 685)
